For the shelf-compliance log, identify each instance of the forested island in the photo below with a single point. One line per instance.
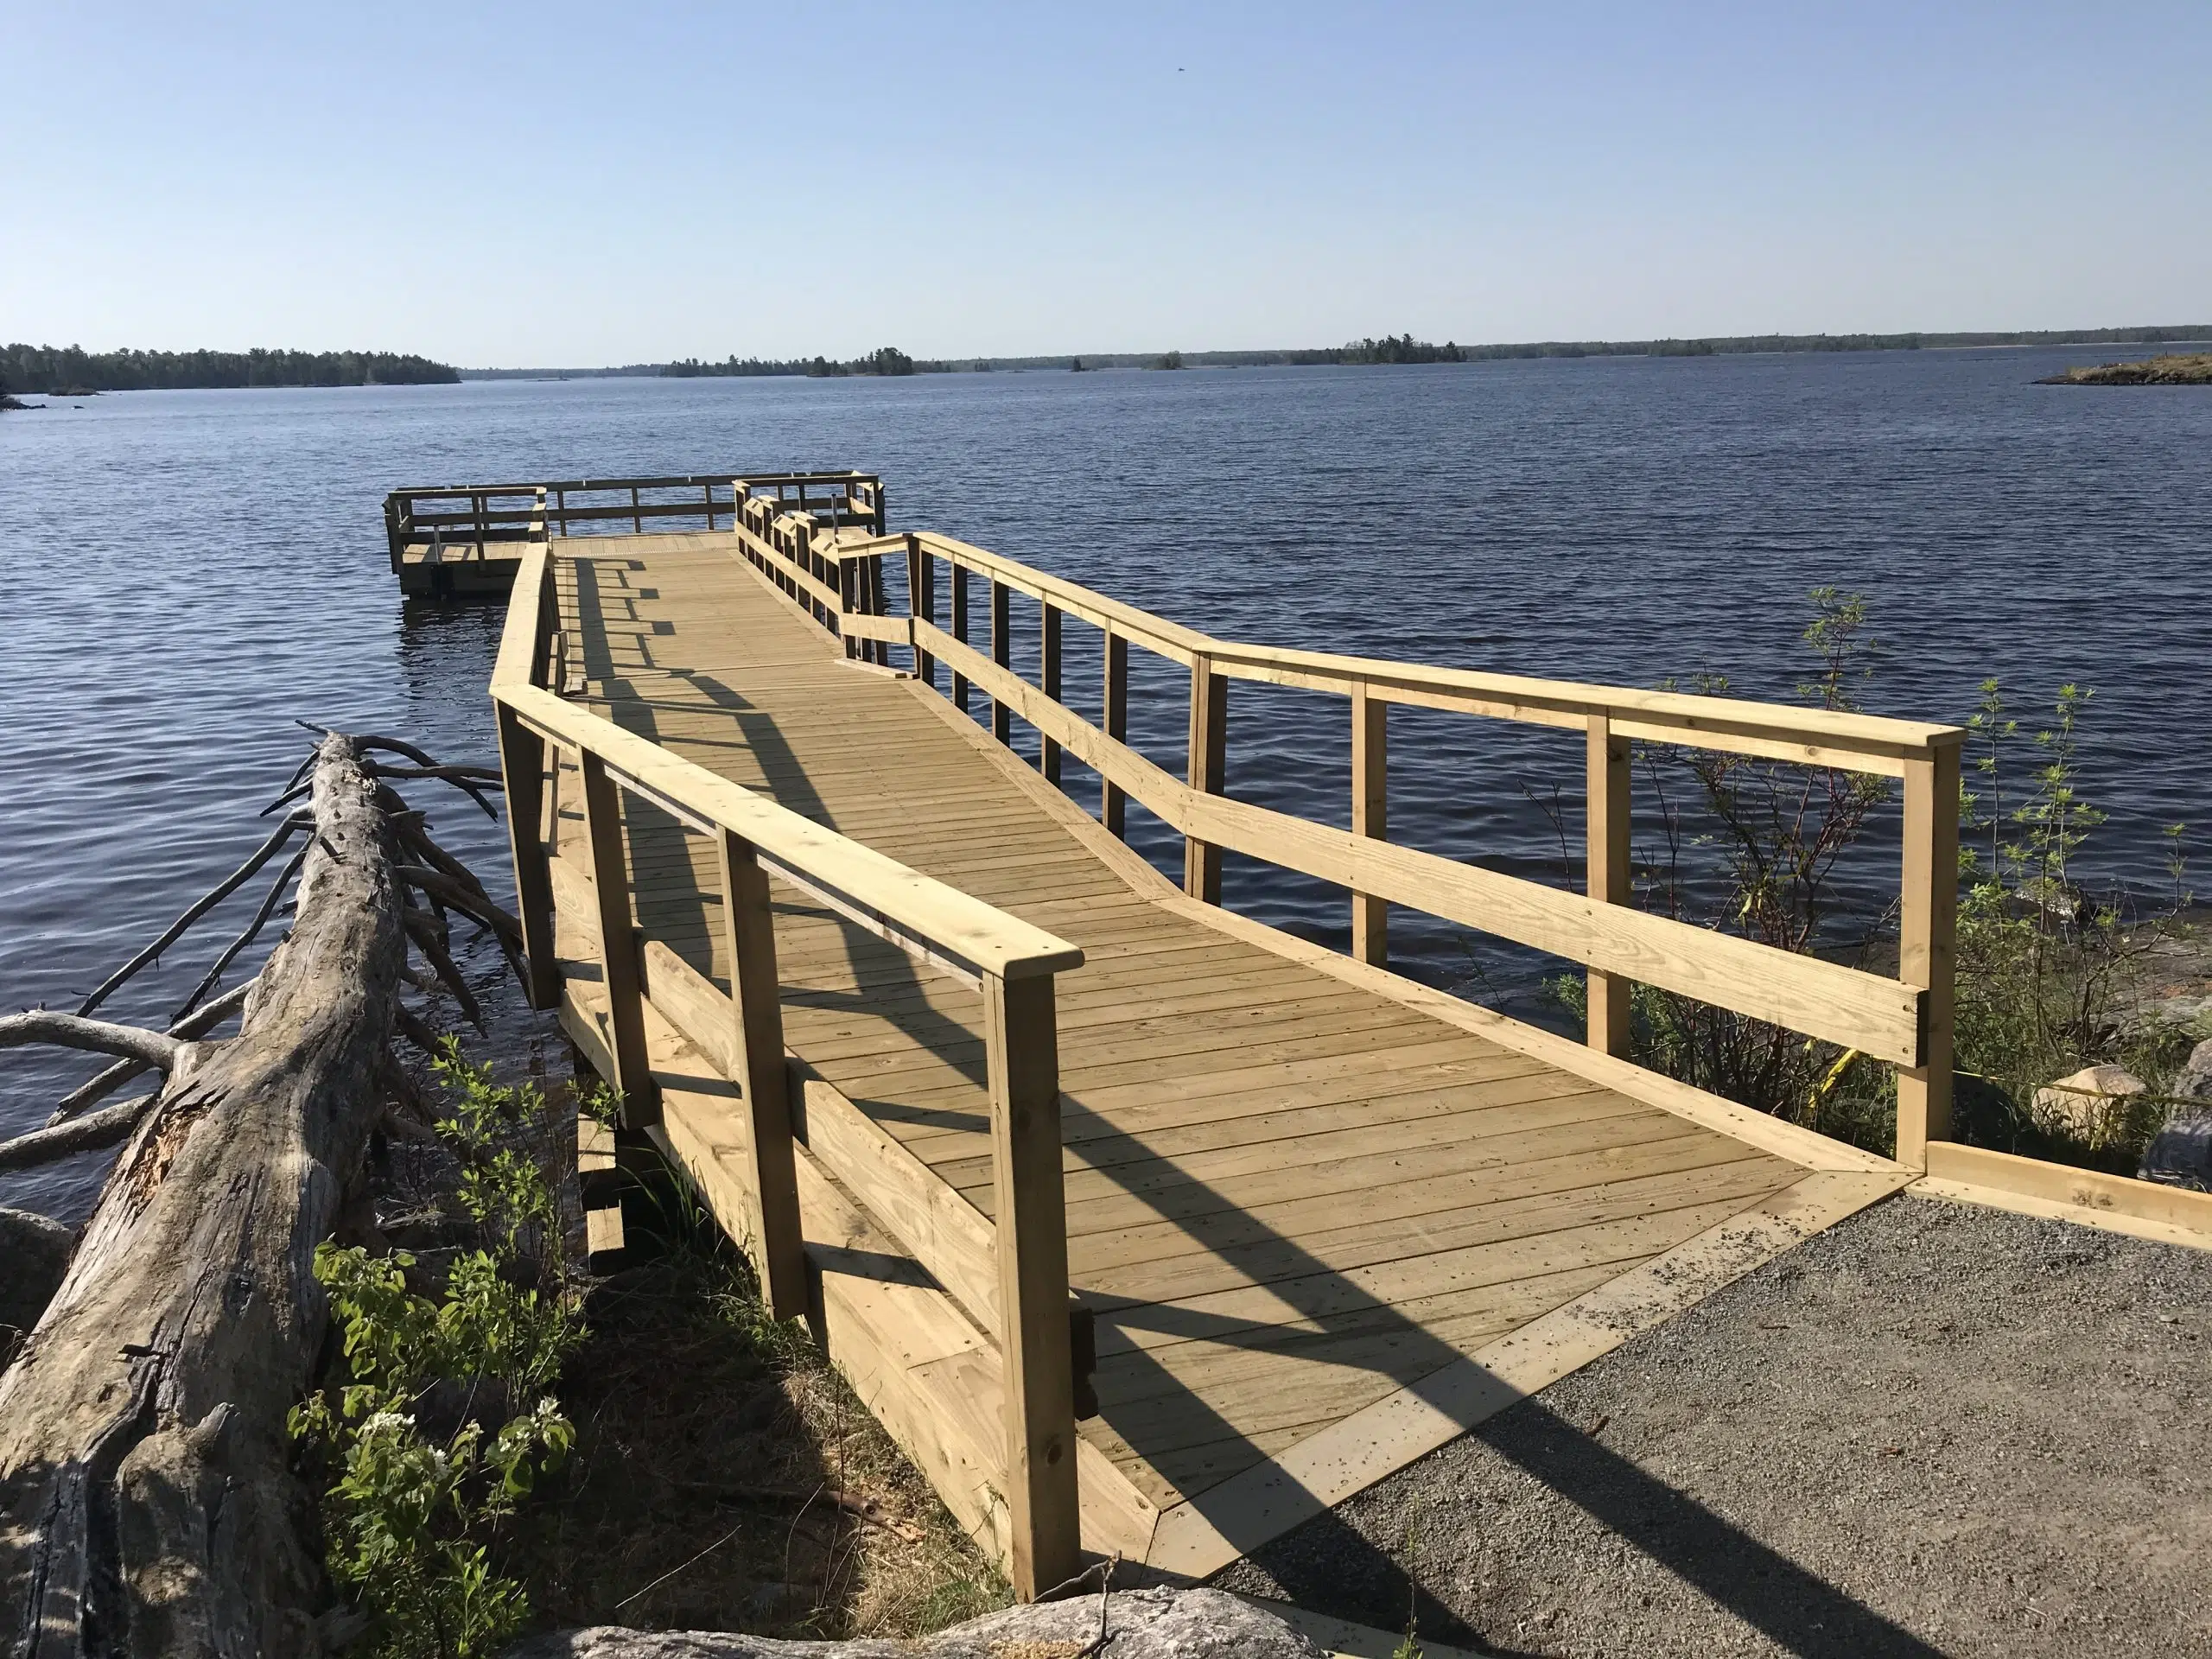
(71, 370)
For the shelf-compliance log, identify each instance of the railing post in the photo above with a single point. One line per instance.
(763, 1080)
(1031, 1219)
(707, 494)
(1927, 945)
(637, 516)
(522, 767)
(1370, 817)
(1113, 800)
(560, 502)
(1605, 836)
(1048, 676)
(618, 947)
(1208, 767)
(1002, 654)
(960, 631)
(921, 603)
(482, 507)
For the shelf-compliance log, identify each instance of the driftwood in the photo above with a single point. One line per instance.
(1137, 1625)
(146, 1503)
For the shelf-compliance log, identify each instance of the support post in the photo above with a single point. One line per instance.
(1928, 945)
(1113, 800)
(637, 513)
(561, 499)
(1048, 676)
(707, 494)
(763, 1080)
(1002, 654)
(1370, 817)
(1031, 1220)
(960, 632)
(1208, 769)
(618, 946)
(522, 767)
(1606, 838)
(921, 603)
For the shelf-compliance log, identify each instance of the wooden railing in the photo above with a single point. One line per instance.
(1905, 1020)
(1011, 1270)
(477, 516)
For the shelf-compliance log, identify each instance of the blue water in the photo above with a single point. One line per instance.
(190, 572)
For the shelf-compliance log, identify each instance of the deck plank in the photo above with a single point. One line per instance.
(1289, 1195)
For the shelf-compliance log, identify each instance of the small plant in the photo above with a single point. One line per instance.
(444, 1421)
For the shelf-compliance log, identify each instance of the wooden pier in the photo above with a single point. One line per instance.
(1144, 1228)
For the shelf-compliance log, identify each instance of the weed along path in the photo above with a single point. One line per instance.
(1935, 1429)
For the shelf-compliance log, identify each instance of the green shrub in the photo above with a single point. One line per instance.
(444, 1420)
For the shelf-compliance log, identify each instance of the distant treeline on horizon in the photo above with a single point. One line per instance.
(1403, 348)
(65, 369)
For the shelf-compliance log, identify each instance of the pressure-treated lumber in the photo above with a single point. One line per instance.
(1606, 824)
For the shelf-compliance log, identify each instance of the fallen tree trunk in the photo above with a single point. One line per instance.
(146, 1503)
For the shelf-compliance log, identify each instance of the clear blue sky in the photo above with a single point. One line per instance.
(552, 185)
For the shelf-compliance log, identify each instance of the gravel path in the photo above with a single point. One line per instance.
(1934, 1429)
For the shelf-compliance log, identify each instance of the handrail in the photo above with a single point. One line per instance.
(1905, 1020)
(1011, 962)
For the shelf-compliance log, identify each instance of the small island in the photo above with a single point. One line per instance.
(2173, 369)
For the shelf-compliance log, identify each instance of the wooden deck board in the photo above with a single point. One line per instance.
(1290, 1195)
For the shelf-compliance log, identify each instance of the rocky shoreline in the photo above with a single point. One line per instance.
(2173, 369)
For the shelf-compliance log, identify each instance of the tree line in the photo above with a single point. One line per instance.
(885, 359)
(65, 369)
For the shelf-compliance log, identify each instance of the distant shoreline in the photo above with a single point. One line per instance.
(1367, 352)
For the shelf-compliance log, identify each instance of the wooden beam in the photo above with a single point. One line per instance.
(1113, 800)
(523, 756)
(1044, 1512)
(1928, 945)
(1002, 654)
(762, 1081)
(1606, 835)
(1370, 794)
(1208, 767)
(921, 601)
(1048, 676)
(618, 950)
(960, 632)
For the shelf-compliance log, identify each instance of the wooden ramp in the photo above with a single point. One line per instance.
(1324, 1218)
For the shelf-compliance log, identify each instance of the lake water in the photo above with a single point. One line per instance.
(191, 572)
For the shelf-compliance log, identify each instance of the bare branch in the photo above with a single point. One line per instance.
(253, 930)
(198, 1023)
(102, 1128)
(223, 890)
(154, 1048)
(465, 779)
(412, 1026)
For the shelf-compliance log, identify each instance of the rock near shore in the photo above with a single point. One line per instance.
(1139, 1624)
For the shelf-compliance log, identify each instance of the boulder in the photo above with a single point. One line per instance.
(2195, 1082)
(1157, 1624)
(2090, 1105)
(2181, 1154)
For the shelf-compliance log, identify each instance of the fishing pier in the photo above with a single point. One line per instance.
(1144, 1228)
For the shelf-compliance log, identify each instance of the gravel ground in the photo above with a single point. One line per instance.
(1934, 1429)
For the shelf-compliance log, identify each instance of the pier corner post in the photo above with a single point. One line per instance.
(1606, 826)
(1370, 817)
(523, 756)
(763, 1079)
(1044, 1508)
(1927, 945)
(921, 603)
(1208, 769)
(617, 946)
